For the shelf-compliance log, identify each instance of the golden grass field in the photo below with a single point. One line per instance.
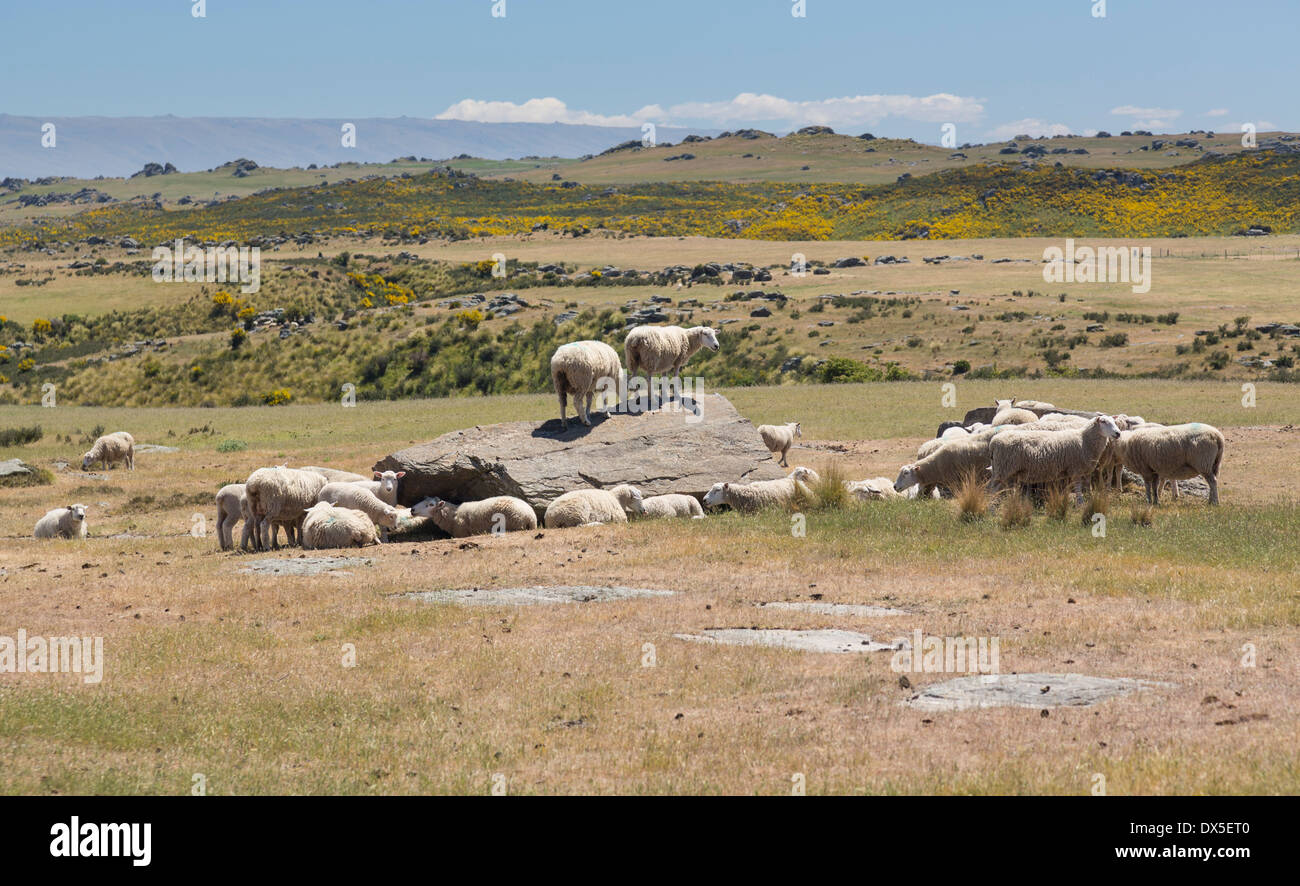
(240, 677)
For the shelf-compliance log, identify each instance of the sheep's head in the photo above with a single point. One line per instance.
(1108, 426)
(906, 478)
(321, 507)
(805, 475)
(717, 494)
(404, 517)
(707, 337)
(1004, 404)
(798, 429)
(426, 507)
(388, 481)
(78, 511)
(86, 460)
(630, 498)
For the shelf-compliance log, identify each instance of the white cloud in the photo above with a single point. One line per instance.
(1031, 127)
(1217, 112)
(746, 109)
(1149, 118)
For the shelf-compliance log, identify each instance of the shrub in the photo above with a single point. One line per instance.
(278, 397)
(237, 339)
(231, 446)
(960, 367)
(20, 436)
(1114, 340)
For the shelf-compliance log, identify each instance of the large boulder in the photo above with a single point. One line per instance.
(660, 451)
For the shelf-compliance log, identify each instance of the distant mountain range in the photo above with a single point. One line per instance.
(118, 146)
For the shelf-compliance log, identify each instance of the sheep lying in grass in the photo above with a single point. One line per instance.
(1176, 452)
(232, 506)
(779, 438)
(673, 505)
(358, 497)
(762, 493)
(664, 350)
(875, 489)
(579, 368)
(325, 526)
(501, 513)
(336, 476)
(947, 466)
(1027, 457)
(582, 507)
(69, 522)
(110, 449)
(279, 497)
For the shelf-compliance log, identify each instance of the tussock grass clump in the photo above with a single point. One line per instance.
(20, 436)
(828, 489)
(1097, 501)
(1056, 501)
(1017, 509)
(972, 498)
(1141, 514)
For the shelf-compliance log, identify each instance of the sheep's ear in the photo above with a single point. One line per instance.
(378, 476)
(401, 474)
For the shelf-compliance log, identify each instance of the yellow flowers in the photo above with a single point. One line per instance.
(470, 318)
(41, 327)
(26, 365)
(278, 397)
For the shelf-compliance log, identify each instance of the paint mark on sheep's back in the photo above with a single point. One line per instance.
(842, 642)
(536, 595)
(1024, 691)
(305, 565)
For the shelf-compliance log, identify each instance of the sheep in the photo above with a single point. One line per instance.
(873, 490)
(673, 505)
(501, 513)
(232, 506)
(358, 497)
(337, 476)
(580, 368)
(779, 439)
(69, 522)
(110, 449)
(1176, 452)
(1012, 415)
(1025, 457)
(664, 350)
(948, 465)
(325, 526)
(999, 405)
(279, 497)
(761, 493)
(582, 507)
(954, 432)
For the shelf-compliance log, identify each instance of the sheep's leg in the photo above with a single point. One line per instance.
(586, 411)
(785, 461)
(564, 402)
(1213, 482)
(1153, 488)
(1174, 489)
(223, 532)
(245, 535)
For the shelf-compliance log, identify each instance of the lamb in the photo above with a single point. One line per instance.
(358, 497)
(69, 522)
(582, 507)
(580, 368)
(779, 438)
(761, 493)
(1176, 452)
(1025, 457)
(673, 505)
(501, 513)
(111, 449)
(232, 506)
(664, 350)
(948, 465)
(279, 497)
(325, 526)
(1012, 415)
(337, 476)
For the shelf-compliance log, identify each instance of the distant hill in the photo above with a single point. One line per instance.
(119, 146)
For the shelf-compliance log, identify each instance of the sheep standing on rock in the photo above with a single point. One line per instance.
(582, 507)
(1027, 457)
(111, 449)
(664, 350)
(580, 368)
(279, 497)
(673, 505)
(762, 493)
(501, 513)
(232, 506)
(779, 439)
(358, 497)
(325, 526)
(69, 522)
(1175, 452)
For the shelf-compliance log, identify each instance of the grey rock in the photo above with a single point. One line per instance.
(536, 595)
(842, 642)
(304, 565)
(1023, 691)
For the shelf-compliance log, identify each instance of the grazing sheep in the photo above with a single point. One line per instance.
(325, 526)
(664, 350)
(501, 513)
(279, 497)
(1014, 416)
(580, 368)
(358, 497)
(673, 505)
(111, 449)
(779, 438)
(1025, 457)
(582, 507)
(336, 476)
(232, 506)
(761, 493)
(1176, 452)
(947, 466)
(69, 522)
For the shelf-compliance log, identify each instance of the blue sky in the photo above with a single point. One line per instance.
(993, 68)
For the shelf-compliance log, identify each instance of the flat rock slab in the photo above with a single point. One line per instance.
(659, 451)
(856, 609)
(779, 638)
(303, 565)
(154, 447)
(15, 467)
(537, 595)
(1024, 691)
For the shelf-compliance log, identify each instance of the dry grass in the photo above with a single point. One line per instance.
(972, 498)
(1056, 502)
(1016, 510)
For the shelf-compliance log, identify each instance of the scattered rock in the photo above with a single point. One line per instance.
(538, 594)
(1024, 691)
(801, 641)
(304, 565)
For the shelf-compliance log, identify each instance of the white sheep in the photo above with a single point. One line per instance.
(358, 497)
(674, 504)
(948, 466)
(954, 432)
(69, 522)
(111, 449)
(580, 368)
(1176, 452)
(279, 497)
(875, 489)
(1022, 404)
(1027, 457)
(325, 526)
(1014, 416)
(664, 350)
(501, 513)
(334, 475)
(582, 507)
(232, 506)
(779, 438)
(762, 493)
